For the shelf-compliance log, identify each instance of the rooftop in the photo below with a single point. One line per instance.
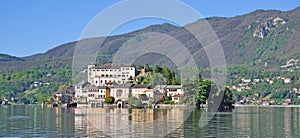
(83, 83)
(148, 86)
(94, 87)
(174, 87)
(112, 66)
(127, 85)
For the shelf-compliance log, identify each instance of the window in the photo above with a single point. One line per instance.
(119, 92)
(172, 90)
(91, 95)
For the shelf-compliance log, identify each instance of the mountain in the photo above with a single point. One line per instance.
(64, 53)
(5, 58)
(252, 39)
(263, 39)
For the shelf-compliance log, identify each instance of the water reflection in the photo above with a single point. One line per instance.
(266, 122)
(135, 122)
(35, 121)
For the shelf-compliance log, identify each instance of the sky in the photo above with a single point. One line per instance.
(32, 26)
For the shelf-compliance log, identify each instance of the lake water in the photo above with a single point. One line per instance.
(35, 121)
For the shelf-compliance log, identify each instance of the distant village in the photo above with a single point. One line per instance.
(120, 82)
(245, 83)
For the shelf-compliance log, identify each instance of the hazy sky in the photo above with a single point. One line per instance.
(33, 26)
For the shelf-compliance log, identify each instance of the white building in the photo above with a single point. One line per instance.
(80, 95)
(140, 89)
(86, 93)
(122, 91)
(176, 98)
(107, 74)
(95, 93)
(174, 90)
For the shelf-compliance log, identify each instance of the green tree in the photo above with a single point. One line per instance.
(158, 69)
(133, 101)
(157, 79)
(227, 100)
(109, 100)
(147, 68)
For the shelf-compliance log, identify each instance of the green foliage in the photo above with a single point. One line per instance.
(227, 100)
(147, 68)
(159, 75)
(134, 101)
(20, 84)
(143, 97)
(143, 80)
(168, 100)
(158, 69)
(109, 100)
(157, 79)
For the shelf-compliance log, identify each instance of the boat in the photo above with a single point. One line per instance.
(73, 105)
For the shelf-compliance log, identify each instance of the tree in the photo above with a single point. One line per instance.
(109, 100)
(147, 68)
(157, 69)
(134, 102)
(227, 100)
(143, 97)
(157, 79)
(203, 91)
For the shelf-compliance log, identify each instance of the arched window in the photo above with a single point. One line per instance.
(119, 92)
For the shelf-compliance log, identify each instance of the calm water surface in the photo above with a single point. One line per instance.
(35, 121)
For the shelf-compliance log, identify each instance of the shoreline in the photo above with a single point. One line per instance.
(164, 106)
(239, 105)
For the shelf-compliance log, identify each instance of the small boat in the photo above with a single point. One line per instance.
(74, 105)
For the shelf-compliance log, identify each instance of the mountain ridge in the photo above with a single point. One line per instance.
(236, 35)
